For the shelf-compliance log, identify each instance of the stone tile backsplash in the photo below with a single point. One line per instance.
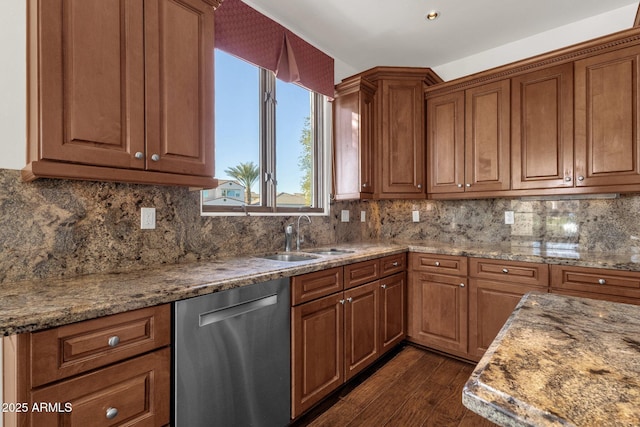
(56, 228)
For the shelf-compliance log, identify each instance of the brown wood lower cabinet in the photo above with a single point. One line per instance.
(338, 334)
(106, 371)
(597, 283)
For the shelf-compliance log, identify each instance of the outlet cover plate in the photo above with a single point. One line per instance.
(509, 218)
(344, 216)
(147, 218)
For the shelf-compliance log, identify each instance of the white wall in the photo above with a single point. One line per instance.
(13, 72)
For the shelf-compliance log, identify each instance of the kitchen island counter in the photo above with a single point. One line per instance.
(561, 361)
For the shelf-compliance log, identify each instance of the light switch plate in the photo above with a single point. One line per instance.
(509, 217)
(344, 216)
(415, 215)
(363, 216)
(147, 218)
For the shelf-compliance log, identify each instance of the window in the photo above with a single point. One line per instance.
(270, 144)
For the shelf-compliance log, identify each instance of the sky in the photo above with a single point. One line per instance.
(236, 115)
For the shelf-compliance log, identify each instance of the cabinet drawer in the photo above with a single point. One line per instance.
(77, 348)
(525, 273)
(596, 281)
(441, 264)
(136, 391)
(310, 286)
(393, 264)
(361, 272)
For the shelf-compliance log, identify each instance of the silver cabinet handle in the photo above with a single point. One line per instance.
(112, 413)
(580, 178)
(349, 299)
(505, 271)
(459, 185)
(155, 157)
(567, 178)
(139, 155)
(437, 263)
(113, 341)
(342, 301)
(419, 185)
(462, 285)
(383, 286)
(468, 185)
(602, 282)
(364, 185)
(395, 264)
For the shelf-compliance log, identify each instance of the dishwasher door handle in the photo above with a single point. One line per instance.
(237, 310)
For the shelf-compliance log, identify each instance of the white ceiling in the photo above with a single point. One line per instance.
(366, 33)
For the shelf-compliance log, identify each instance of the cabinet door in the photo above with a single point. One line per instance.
(445, 143)
(606, 118)
(179, 41)
(87, 91)
(361, 317)
(438, 312)
(490, 305)
(393, 312)
(542, 156)
(487, 137)
(317, 359)
(353, 143)
(401, 140)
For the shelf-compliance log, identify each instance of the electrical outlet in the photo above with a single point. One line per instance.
(509, 217)
(148, 218)
(363, 216)
(344, 216)
(415, 215)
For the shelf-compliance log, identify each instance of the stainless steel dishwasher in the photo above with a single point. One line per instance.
(232, 357)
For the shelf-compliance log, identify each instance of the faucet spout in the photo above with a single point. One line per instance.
(298, 239)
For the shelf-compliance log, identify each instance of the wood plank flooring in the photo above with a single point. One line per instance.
(414, 388)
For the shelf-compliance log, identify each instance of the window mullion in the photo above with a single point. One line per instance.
(268, 138)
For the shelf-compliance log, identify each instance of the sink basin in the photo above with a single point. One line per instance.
(331, 251)
(289, 257)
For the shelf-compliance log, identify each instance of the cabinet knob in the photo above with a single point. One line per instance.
(462, 285)
(383, 286)
(437, 263)
(580, 178)
(342, 301)
(567, 178)
(139, 155)
(505, 270)
(459, 185)
(155, 157)
(349, 299)
(113, 341)
(395, 264)
(468, 185)
(364, 185)
(419, 185)
(112, 413)
(602, 281)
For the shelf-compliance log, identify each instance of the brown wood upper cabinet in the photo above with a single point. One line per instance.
(542, 128)
(468, 140)
(607, 112)
(121, 91)
(379, 134)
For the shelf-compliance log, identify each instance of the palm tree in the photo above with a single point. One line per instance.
(246, 174)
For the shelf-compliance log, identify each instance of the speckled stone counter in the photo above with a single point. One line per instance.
(561, 361)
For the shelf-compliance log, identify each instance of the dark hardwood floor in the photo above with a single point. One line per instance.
(413, 388)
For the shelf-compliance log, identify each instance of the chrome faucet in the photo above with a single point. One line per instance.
(288, 237)
(298, 239)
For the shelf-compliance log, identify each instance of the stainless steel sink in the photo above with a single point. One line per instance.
(331, 251)
(289, 257)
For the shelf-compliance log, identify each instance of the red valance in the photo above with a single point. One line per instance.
(246, 33)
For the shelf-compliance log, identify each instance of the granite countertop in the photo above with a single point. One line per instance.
(38, 304)
(561, 361)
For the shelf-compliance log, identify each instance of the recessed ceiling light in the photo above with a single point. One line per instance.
(432, 15)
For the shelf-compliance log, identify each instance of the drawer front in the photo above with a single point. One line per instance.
(308, 287)
(441, 264)
(526, 273)
(136, 391)
(393, 264)
(596, 281)
(361, 273)
(77, 348)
